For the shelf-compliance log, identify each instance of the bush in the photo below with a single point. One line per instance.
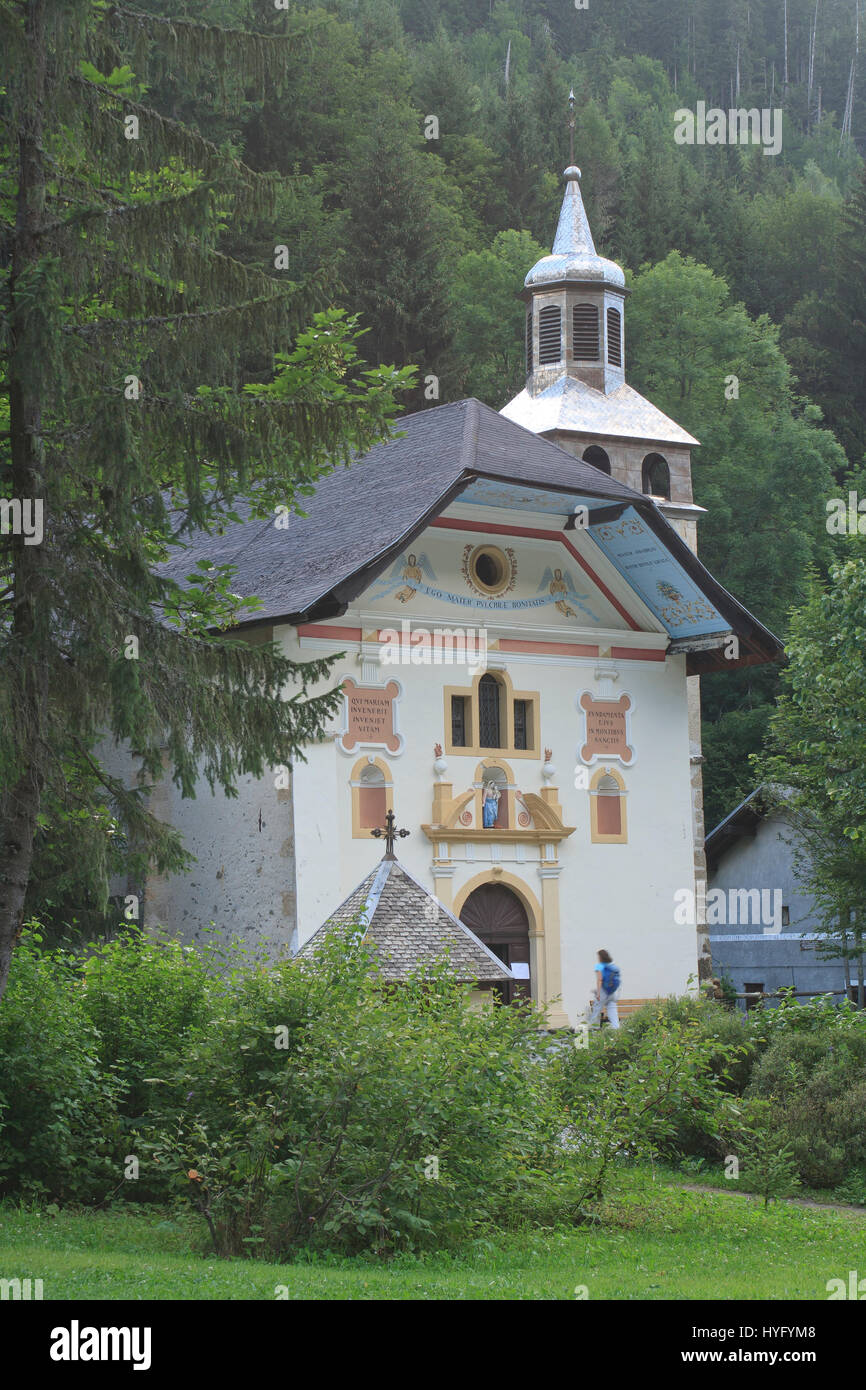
(143, 994)
(304, 1106)
(726, 1040)
(752, 1134)
(815, 1077)
(58, 1103)
(637, 1099)
(321, 1109)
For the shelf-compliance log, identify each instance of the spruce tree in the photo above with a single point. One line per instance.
(130, 425)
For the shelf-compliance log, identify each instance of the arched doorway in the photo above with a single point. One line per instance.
(498, 918)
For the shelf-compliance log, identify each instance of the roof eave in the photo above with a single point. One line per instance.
(761, 645)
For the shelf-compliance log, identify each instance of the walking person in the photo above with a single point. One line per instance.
(607, 983)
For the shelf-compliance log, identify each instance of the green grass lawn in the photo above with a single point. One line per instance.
(656, 1241)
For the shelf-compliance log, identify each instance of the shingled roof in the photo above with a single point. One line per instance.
(304, 571)
(409, 928)
(360, 518)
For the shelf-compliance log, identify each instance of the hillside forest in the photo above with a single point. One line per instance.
(419, 149)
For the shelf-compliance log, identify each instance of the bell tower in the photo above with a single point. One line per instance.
(575, 306)
(577, 396)
(576, 392)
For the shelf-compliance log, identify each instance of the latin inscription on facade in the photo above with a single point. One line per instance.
(369, 717)
(606, 729)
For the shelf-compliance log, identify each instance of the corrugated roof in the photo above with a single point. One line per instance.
(409, 928)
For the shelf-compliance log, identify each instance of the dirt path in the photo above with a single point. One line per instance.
(843, 1207)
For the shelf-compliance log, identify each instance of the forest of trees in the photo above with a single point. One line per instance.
(738, 263)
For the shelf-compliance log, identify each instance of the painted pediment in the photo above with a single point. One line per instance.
(534, 582)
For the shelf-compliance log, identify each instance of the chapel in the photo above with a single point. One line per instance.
(520, 621)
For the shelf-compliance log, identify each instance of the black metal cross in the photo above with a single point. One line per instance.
(390, 834)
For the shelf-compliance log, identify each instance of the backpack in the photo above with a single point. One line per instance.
(610, 978)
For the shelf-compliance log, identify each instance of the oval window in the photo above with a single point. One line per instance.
(490, 569)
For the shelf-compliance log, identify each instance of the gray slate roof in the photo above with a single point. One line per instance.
(409, 928)
(360, 518)
(372, 509)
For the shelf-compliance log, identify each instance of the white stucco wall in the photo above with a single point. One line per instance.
(272, 865)
(621, 897)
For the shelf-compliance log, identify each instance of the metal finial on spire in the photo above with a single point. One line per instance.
(390, 833)
(571, 127)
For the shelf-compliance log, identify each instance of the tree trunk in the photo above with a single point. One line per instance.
(20, 804)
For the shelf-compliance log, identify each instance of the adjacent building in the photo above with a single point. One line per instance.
(762, 927)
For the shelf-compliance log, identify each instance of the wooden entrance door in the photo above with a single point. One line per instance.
(498, 918)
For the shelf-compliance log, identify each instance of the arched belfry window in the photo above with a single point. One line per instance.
(528, 341)
(614, 337)
(489, 712)
(597, 457)
(550, 334)
(584, 333)
(656, 476)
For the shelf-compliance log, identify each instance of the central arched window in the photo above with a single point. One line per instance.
(656, 476)
(550, 334)
(489, 712)
(584, 333)
(597, 457)
(492, 714)
(614, 337)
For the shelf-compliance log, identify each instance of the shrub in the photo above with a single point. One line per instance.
(726, 1040)
(751, 1132)
(143, 994)
(815, 1077)
(58, 1104)
(637, 1100)
(322, 1109)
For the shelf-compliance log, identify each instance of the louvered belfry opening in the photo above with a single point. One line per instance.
(584, 333)
(614, 337)
(528, 341)
(550, 334)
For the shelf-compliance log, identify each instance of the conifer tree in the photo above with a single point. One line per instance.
(814, 763)
(129, 424)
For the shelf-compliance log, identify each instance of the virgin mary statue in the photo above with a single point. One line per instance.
(490, 805)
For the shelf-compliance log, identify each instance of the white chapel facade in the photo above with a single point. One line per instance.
(520, 614)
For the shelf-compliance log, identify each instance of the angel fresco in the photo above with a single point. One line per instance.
(411, 569)
(560, 586)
